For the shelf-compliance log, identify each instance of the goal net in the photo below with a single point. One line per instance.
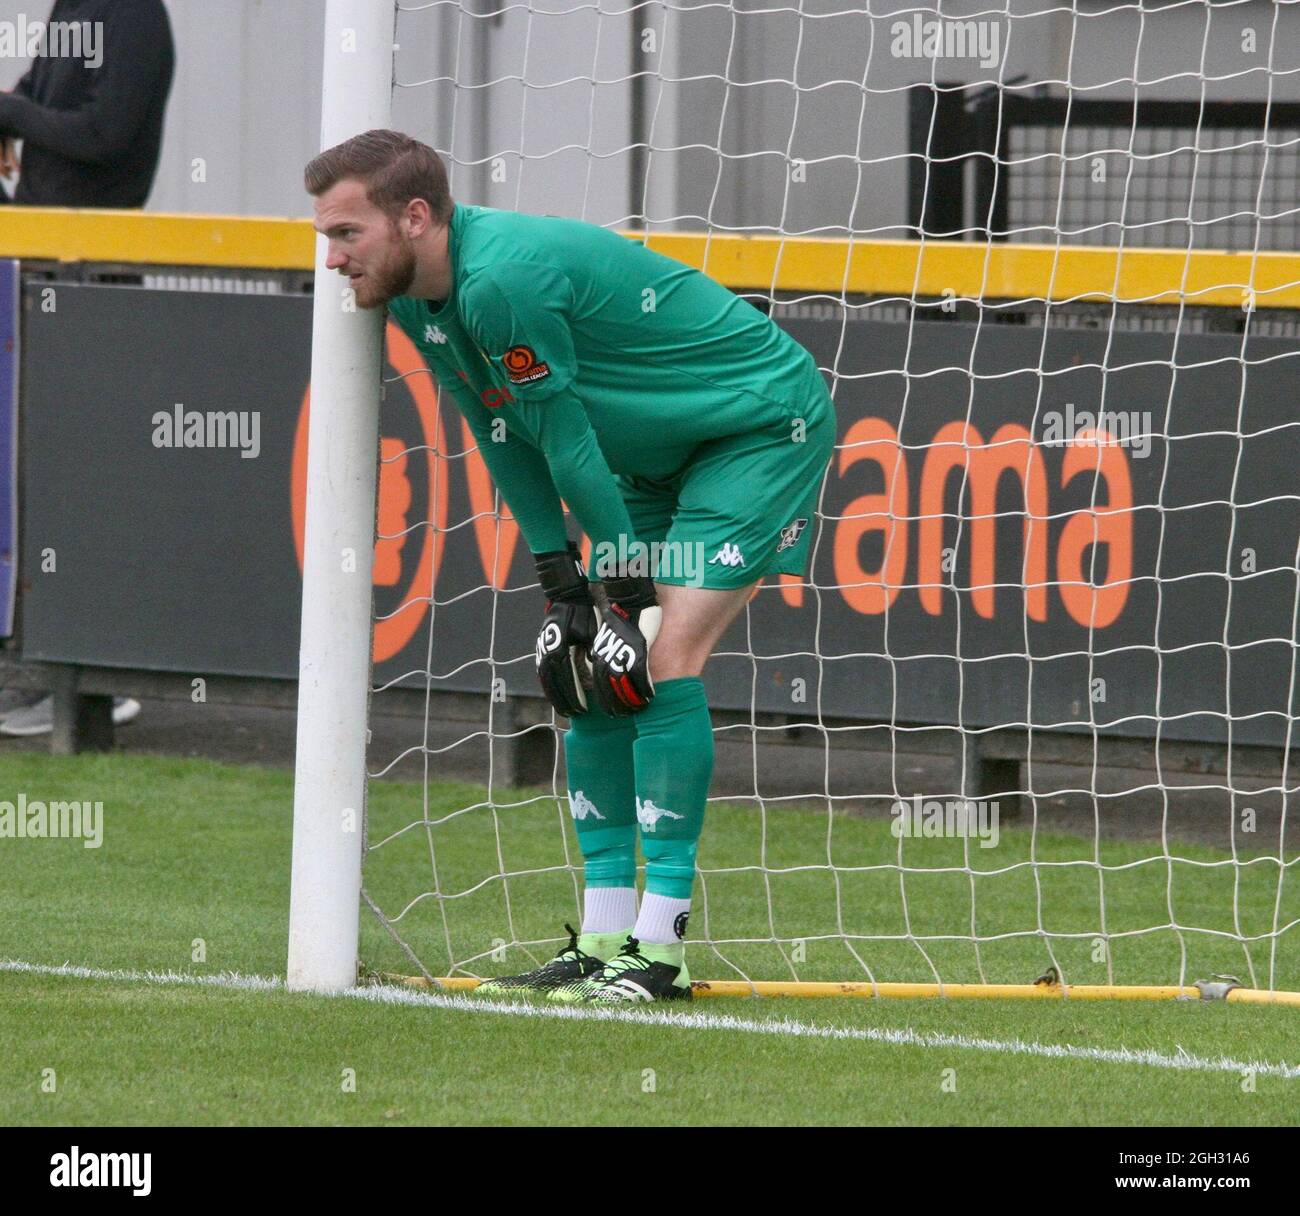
(1033, 706)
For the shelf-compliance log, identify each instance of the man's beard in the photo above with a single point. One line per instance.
(387, 282)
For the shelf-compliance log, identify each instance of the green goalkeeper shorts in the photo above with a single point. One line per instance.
(744, 508)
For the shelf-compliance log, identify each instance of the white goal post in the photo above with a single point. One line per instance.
(334, 664)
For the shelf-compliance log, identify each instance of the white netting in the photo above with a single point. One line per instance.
(989, 618)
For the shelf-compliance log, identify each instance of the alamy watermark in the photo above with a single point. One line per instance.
(957, 818)
(58, 820)
(650, 559)
(945, 38)
(82, 1167)
(1101, 428)
(23, 39)
(182, 428)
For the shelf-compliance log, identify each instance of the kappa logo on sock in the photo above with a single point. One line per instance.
(648, 815)
(580, 806)
(679, 925)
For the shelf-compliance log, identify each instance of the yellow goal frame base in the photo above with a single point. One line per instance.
(1217, 989)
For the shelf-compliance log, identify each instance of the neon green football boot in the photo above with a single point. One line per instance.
(584, 955)
(638, 972)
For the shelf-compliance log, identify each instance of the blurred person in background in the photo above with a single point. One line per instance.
(89, 115)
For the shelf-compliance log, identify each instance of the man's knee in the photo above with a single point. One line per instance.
(674, 659)
(690, 629)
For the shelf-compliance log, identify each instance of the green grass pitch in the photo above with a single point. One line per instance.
(193, 879)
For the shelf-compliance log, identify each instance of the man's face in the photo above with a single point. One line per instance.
(364, 245)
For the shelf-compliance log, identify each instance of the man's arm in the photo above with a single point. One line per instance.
(569, 624)
(136, 39)
(9, 163)
(519, 471)
(517, 313)
(578, 469)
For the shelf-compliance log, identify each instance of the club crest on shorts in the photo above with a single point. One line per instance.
(790, 534)
(522, 367)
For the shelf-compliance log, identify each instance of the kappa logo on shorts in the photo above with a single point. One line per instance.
(790, 534)
(522, 367)
(728, 555)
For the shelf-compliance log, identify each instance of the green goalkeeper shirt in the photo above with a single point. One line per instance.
(602, 356)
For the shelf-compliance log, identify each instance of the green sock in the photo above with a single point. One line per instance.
(674, 764)
(602, 796)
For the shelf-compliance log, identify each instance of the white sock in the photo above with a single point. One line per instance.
(608, 909)
(662, 921)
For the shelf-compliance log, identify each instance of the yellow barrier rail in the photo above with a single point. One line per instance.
(834, 266)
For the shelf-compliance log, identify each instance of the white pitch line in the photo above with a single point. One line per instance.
(788, 1027)
(223, 979)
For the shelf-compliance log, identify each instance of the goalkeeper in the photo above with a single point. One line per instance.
(660, 408)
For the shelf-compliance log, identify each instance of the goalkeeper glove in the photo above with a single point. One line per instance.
(620, 657)
(567, 630)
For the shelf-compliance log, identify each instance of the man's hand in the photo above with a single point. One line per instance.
(9, 164)
(620, 657)
(567, 630)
